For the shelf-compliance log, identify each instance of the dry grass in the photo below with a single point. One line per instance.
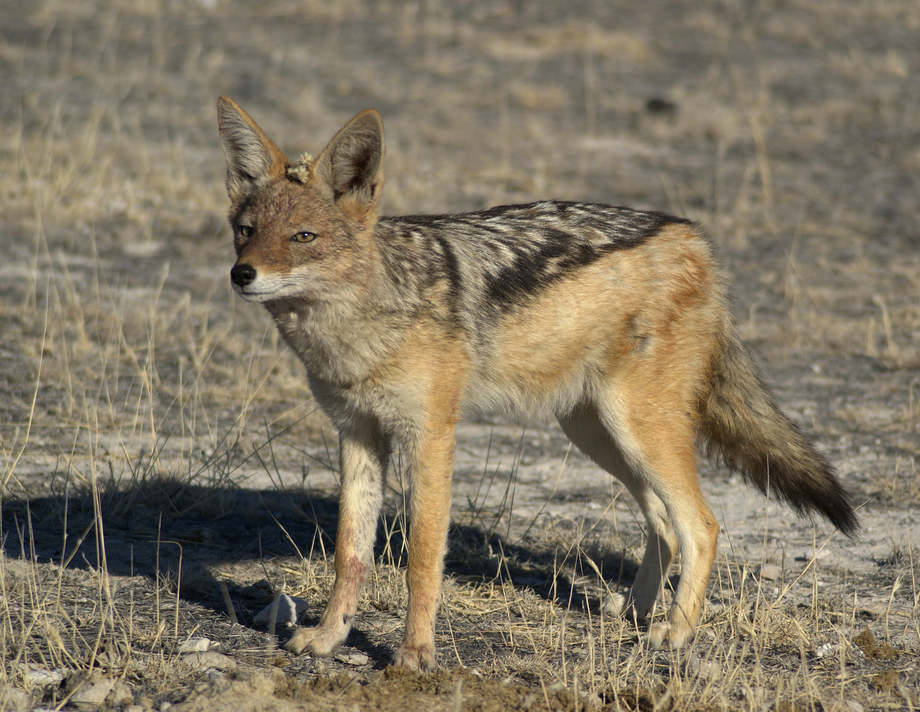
(526, 620)
(163, 470)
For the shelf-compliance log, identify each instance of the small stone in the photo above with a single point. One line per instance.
(614, 604)
(286, 610)
(39, 677)
(16, 700)
(356, 658)
(120, 695)
(209, 660)
(195, 645)
(89, 691)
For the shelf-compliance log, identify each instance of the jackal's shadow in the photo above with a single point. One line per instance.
(167, 527)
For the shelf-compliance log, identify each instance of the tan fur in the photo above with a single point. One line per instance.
(612, 319)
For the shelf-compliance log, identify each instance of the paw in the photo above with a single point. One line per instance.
(318, 641)
(669, 635)
(416, 658)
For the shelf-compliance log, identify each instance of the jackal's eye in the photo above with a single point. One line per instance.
(303, 236)
(245, 231)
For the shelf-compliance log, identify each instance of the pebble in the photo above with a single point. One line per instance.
(288, 610)
(17, 700)
(356, 658)
(39, 677)
(195, 645)
(89, 691)
(121, 694)
(209, 660)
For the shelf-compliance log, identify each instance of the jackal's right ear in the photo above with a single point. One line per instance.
(251, 156)
(352, 165)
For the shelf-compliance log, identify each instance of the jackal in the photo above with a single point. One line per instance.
(613, 319)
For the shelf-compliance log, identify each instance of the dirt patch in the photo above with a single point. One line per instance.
(395, 690)
(458, 688)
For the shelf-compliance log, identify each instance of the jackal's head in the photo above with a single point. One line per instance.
(304, 229)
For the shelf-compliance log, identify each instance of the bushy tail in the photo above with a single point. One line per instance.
(743, 424)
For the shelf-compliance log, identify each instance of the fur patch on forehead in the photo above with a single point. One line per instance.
(302, 171)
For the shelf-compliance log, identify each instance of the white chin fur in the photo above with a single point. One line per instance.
(252, 295)
(268, 287)
(264, 288)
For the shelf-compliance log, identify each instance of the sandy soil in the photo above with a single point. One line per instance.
(165, 472)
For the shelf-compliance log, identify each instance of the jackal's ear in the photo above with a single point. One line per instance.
(352, 164)
(251, 156)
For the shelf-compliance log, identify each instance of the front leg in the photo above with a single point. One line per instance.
(429, 503)
(363, 457)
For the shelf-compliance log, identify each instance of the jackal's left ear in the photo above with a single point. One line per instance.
(352, 164)
(251, 156)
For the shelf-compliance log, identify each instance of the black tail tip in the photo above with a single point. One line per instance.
(843, 516)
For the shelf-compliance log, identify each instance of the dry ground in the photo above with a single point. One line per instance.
(164, 471)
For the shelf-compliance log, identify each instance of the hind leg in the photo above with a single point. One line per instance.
(651, 449)
(659, 551)
(585, 428)
(661, 443)
(697, 533)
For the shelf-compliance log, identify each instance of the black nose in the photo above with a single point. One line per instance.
(243, 274)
